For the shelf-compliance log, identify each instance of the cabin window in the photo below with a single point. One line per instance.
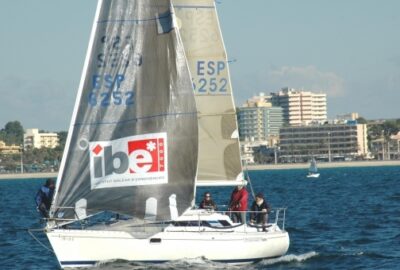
(155, 240)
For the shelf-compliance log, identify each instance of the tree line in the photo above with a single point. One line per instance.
(33, 159)
(50, 158)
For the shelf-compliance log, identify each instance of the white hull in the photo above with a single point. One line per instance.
(313, 175)
(240, 244)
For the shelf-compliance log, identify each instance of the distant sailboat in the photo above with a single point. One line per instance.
(313, 170)
(142, 137)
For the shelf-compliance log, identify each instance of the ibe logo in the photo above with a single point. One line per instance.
(129, 161)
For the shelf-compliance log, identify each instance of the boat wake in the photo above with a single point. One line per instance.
(199, 263)
(290, 258)
(196, 263)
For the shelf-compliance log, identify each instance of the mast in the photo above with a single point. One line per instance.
(76, 106)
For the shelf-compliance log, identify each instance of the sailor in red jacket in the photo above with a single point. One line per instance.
(239, 203)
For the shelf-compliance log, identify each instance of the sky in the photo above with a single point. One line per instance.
(348, 49)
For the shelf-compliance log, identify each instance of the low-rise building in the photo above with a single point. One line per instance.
(9, 149)
(386, 148)
(247, 152)
(394, 146)
(348, 116)
(34, 139)
(325, 142)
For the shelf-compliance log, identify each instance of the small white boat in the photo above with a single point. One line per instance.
(313, 170)
(153, 119)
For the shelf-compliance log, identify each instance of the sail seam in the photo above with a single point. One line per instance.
(215, 114)
(136, 20)
(135, 119)
(192, 6)
(216, 94)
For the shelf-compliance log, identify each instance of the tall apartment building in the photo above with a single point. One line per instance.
(259, 121)
(329, 142)
(34, 139)
(300, 107)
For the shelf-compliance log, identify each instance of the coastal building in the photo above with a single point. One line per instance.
(259, 121)
(9, 149)
(300, 107)
(394, 146)
(247, 152)
(348, 117)
(386, 148)
(254, 152)
(34, 139)
(324, 142)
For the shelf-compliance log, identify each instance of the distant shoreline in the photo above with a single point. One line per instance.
(12, 176)
(375, 163)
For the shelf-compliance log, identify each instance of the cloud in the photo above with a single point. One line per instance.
(307, 78)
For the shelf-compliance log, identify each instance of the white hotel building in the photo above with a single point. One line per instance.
(34, 139)
(300, 107)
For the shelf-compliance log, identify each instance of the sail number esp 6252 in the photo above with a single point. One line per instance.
(108, 84)
(210, 77)
(109, 96)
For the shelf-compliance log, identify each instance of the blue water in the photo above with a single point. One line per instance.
(349, 218)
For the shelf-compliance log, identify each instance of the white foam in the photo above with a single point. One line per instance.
(290, 258)
(201, 263)
(198, 263)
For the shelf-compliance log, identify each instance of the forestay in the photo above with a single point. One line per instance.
(133, 139)
(219, 155)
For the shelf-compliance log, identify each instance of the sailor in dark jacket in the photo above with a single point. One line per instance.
(44, 197)
(262, 208)
(207, 202)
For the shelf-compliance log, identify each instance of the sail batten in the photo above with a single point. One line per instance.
(134, 113)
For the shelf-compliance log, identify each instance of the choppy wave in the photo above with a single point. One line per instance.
(394, 197)
(360, 212)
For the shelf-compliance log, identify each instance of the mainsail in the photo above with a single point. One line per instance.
(133, 139)
(219, 153)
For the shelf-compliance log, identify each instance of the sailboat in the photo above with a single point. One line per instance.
(144, 135)
(313, 170)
